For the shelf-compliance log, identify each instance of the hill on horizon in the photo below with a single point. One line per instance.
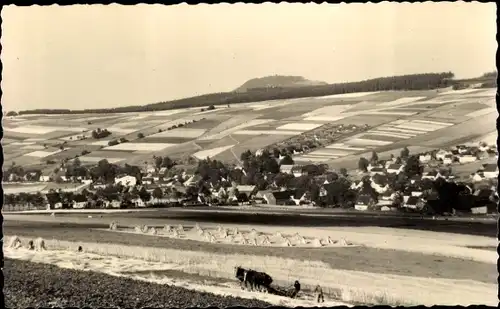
(277, 81)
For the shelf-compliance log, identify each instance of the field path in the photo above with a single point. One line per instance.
(231, 149)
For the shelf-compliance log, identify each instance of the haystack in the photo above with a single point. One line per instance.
(152, 231)
(175, 234)
(287, 243)
(167, 229)
(180, 228)
(317, 242)
(223, 233)
(230, 238)
(144, 228)
(31, 245)
(201, 232)
(278, 234)
(197, 227)
(53, 214)
(138, 229)
(244, 241)
(236, 231)
(39, 244)
(266, 241)
(330, 241)
(302, 240)
(15, 242)
(113, 226)
(343, 242)
(219, 228)
(253, 242)
(212, 239)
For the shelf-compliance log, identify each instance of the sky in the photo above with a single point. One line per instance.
(96, 56)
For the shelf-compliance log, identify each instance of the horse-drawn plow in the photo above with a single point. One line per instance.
(260, 281)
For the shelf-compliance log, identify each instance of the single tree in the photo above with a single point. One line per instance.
(140, 135)
(363, 164)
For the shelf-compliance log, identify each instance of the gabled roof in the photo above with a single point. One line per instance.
(394, 166)
(283, 195)
(377, 169)
(245, 188)
(412, 200)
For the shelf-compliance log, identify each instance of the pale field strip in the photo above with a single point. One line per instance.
(330, 152)
(400, 121)
(140, 146)
(299, 126)
(117, 129)
(306, 158)
(328, 111)
(180, 132)
(91, 159)
(34, 139)
(353, 284)
(86, 134)
(320, 155)
(481, 112)
(367, 142)
(128, 123)
(126, 266)
(21, 143)
(41, 154)
(100, 143)
(438, 101)
(323, 118)
(388, 113)
(342, 146)
(231, 130)
(30, 129)
(444, 124)
(33, 147)
(269, 132)
(420, 127)
(22, 189)
(389, 129)
(400, 101)
(169, 112)
(203, 154)
(392, 134)
(462, 91)
(349, 95)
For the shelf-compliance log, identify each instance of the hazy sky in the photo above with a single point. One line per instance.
(105, 56)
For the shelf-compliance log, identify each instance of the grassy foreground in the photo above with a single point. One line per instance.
(30, 284)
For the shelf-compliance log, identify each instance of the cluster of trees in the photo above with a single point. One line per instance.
(16, 172)
(98, 133)
(30, 199)
(405, 82)
(211, 107)
(163, 162)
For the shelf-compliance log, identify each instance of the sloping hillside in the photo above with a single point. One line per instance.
(277, 81)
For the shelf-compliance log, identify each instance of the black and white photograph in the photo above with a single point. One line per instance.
(250, 155)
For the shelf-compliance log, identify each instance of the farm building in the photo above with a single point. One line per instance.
(127, 181)
(448, 159)
(413, 202)
(424, 158)
(282, 197)
(248, 191)
(363, 201)
(477, 177)
(441, 154)
(298, 170)
(44, 178)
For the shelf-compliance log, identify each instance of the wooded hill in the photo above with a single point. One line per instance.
(404, 82)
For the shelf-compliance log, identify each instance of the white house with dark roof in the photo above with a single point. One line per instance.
(286, 168)
(395, 168)
(424, 158)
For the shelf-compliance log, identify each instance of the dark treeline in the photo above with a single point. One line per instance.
(404, 82)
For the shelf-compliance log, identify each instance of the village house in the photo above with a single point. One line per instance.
(370, 167)
(395, 168)
(248, 191)
(376, 170)
(162, 171)
(490, 171)
(79, 205)
(44, 178)
(424, 158)
(430, 175)
(298, 170)
(193, 180)
(282, 197)
(363, 201)
(126, 181)
(414, 203)
(441, 154)
(286, 168)
(466, 158)
(148, 179)
(448, 159)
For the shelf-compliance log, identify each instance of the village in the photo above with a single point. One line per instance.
(443, 181)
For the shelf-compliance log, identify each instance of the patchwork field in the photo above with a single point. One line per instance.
(397, 119)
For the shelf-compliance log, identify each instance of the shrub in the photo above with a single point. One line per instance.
(85, 152)
(140, 135)
(113, 142)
